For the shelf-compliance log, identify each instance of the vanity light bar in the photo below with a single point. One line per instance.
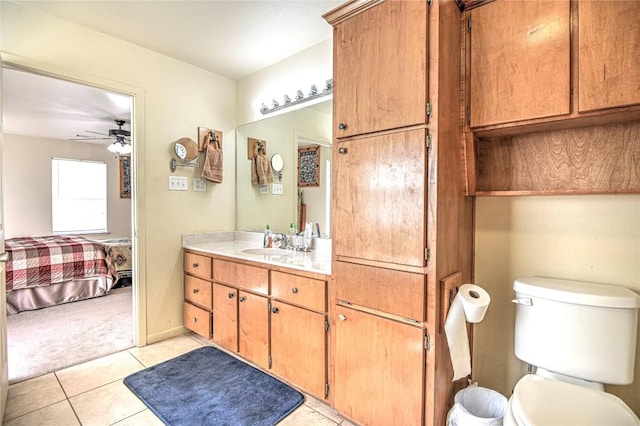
(300, 98)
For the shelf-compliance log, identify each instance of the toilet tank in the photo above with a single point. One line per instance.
(579, 329)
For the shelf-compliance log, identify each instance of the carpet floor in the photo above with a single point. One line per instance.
(209, 387)
(50, 339)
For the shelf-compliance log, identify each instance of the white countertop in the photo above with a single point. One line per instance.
(232, 244)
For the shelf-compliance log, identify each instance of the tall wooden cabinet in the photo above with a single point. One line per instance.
(401, 220)
(388, 40)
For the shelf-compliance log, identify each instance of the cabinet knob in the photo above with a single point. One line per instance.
(232, 295)
(294, 290)
(195, 265)
(195, 319)
(242, 298)
(342, 150)
(342, 317)
(195, 291)
(275, 310)
(342, 126)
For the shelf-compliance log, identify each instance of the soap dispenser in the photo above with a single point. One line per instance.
(268, 239)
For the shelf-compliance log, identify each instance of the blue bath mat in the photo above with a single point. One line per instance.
(208, 387)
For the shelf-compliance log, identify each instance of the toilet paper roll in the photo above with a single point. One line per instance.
(470, 304)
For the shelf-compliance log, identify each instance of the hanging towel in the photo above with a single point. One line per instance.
(213, 167)
(263, 169)
(261, 173)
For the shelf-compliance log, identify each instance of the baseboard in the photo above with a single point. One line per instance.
(167, 334)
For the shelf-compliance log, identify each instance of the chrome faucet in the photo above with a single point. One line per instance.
(282, 240)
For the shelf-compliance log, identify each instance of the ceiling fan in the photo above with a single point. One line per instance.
(121, 138)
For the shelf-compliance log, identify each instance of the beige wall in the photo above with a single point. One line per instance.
(26, 172)
(310, 66)
(172, 100)
(581, 237)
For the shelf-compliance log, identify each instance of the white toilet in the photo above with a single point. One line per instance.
(578, 336)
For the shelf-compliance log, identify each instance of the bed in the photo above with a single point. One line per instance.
(118, 258)
(50, 270)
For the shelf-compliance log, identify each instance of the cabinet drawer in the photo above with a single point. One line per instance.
(302, 291)
(197, 291)
(242, 276)
(197, 264)
(197, 320)
(395, 292)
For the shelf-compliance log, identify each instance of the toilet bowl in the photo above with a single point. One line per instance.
(543, 401)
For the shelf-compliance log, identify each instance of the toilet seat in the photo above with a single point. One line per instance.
(542, 401)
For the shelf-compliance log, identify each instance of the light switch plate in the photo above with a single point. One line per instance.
(264, 189)
(178, 183)
(199, 184)
(277, 188)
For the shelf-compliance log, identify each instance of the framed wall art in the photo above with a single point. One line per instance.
(309, 166)
(125, 177)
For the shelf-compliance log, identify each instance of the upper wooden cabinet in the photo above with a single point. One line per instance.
(609, 54)
(520, 67)
(380, 68)
(379, 198)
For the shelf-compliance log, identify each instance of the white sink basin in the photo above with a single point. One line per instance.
(268, 251)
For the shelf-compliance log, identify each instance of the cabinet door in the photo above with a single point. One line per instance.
(253, 335)
(298, 347)
(379, 198)
(379, 369)
(380, 68)
(609, 54)
(225, 316)
(519, 61)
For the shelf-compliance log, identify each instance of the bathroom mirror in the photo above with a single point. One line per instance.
(283, 133)
(186, 149)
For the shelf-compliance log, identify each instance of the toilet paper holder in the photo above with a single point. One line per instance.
(449, 286)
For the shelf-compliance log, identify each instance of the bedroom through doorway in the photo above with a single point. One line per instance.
(67, 173)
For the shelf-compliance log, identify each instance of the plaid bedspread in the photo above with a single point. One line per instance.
(41, 261)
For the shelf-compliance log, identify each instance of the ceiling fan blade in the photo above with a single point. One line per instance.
(97, 133)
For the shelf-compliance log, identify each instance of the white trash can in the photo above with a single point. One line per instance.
(477, 406)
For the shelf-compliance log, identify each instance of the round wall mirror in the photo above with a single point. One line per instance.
(186, 149)
(277, 162)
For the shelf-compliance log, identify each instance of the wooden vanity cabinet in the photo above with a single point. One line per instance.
(380, 69)
(520, 53)
(197, 305)
(299, 328)
(379, 198)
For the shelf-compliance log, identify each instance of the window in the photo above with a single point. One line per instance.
(78, 196)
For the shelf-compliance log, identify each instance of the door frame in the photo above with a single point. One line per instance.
(138, 183)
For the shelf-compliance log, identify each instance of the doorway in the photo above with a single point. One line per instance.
(54, 118)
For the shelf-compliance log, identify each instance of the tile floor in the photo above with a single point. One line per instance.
(93, 393)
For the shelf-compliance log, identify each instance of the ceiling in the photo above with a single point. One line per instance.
(232, 38)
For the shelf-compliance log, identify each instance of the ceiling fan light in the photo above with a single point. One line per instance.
(125, 149)
(114, 147)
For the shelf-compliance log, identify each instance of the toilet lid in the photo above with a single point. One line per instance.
(541, 401)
